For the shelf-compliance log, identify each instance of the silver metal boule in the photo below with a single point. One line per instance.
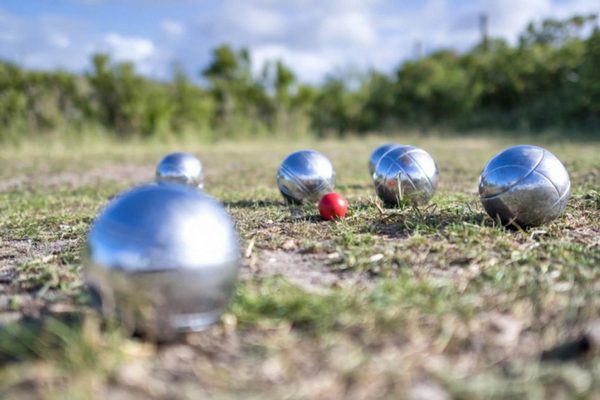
(378, 153)
(524, 185)
(164, 258)
(406, 172)
(305, 175)
(181, 167)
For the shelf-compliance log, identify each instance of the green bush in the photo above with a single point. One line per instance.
(550, 80)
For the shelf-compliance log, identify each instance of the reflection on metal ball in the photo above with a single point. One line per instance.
(406, 172)
(378, 153)
(305, 175)
(525, 186)
(181, 167)
(164, 258)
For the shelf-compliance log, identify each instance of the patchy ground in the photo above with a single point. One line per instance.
(430, 303)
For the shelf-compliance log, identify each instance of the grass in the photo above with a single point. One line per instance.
(438, 302)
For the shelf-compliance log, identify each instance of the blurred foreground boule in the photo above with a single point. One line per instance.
(164, 258)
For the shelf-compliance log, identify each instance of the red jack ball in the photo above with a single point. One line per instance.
(332, 206)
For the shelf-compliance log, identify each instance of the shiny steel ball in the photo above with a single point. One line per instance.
(164, 258)
(525, 186)
(378, 153)
(406, 172)
(305, 175)
(181, 167)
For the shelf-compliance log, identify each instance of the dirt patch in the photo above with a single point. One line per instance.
(224, 359)
(128, 173)
(19, 289)
(124, 173)
(311, 272)
(18, 251)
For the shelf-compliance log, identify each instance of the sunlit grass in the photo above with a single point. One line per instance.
(440, 296)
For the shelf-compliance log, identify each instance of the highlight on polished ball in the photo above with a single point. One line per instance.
(181, 167)
(164, 259)
(524, 185)
(333, 206)
(406, 172)
(305, 175)
(378, 153)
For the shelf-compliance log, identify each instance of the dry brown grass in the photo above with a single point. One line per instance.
(435, 304)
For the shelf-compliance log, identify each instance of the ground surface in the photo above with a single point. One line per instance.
(437, 303)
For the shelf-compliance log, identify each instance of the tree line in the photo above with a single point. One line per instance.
(549, 80)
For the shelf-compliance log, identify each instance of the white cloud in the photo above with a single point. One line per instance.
(348, 29)
(308, 66)
(58, 40)
(172, 28)
(508, 18)
(341, 5)
(89, 1)
(313, 37)
(42, 43)
(253, 20)
(8, 37)
(8, 27)
(140, 51)
(585, 7)
(129, 48)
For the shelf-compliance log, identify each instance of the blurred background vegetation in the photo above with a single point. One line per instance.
(550, 80)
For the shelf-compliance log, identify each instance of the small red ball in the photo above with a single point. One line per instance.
(332, 206)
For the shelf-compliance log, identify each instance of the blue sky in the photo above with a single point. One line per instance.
(314, 37)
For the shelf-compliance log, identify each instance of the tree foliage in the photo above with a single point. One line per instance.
(551, 79)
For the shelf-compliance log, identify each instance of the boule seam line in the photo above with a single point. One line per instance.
(422, 170)
(297, 181)
(395, 162)
(517, 182)
(568, 191)
(325, 182)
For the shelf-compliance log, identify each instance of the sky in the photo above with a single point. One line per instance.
(313, 37)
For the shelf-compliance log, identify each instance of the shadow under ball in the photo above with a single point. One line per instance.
(164, 259)
(305, 175)
(524, 185)
(406, 171)
(181, 167)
